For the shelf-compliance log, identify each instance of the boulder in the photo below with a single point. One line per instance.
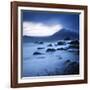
(40, 48)
(37, 53)
(61, 43)
(49, 45)
(72, 68)
(61, 48)
(50, 50)
(73, 42)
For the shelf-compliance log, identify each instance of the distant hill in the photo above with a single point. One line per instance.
(60, 35)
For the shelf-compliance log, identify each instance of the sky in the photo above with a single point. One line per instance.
(41, 23)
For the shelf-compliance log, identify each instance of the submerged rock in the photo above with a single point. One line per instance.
(41, 42)
(40, 48)
(37, 53)
(61, 49)
(49, 45)
(61, 43)
(74, 46)
(67, 62)
(75, 42)
(50, 50)
(72, 68)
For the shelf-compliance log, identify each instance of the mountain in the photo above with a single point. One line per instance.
(60, 35)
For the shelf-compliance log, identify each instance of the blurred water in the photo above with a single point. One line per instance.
(48, 63)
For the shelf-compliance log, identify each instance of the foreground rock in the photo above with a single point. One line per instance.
(40, 48)
(72, 68)
(74, 42)
(67, 62)
(61, 49)
(37, 53)
(49, 45)
(60, 43)
(50, 50)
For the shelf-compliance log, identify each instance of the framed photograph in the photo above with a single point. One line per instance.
(48, 44)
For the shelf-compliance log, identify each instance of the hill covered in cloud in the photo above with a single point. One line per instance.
(60, 35)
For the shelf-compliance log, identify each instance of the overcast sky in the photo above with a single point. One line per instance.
(39, 23)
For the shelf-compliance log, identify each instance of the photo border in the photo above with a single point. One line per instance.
(14, 43)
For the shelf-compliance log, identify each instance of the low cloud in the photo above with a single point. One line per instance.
(40, 29)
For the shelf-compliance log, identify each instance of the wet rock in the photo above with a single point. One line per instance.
(37, 53)
(61, 43)
(72, 68)
(74, 42)
(39, 42)
(67, 62)
(55, 44)
(40, 48)
(61, 49)
(49, 45)
(74, 46)
(50, 50)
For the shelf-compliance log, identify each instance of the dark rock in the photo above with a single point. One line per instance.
(61, 49)
(61, 43)
(72, 68)
(55, 44)
(74, 42)
(40, 48)
(41, 42)
(50, 45)
(74, 46)
(37, 53)
(50, 50)
(67, 62)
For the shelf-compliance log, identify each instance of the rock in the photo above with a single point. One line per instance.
(67, 62)
(41, 42)
(74, 42)
(50, 50)
(59, 57)
(74, 46)
(37, 53)
(55, 44)
(40, 48)
(61, 43)
(49, 45)
(61, 48)
(72, 68)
